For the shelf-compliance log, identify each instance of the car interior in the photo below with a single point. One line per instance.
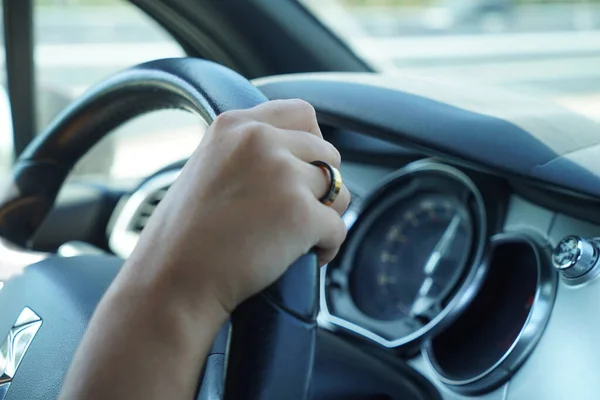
(469, 270)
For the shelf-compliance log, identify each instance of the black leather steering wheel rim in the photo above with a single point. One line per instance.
(201, 87)
(272, 341)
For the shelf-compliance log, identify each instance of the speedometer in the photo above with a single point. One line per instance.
(412, 258)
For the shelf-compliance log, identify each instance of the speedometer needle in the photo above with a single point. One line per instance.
(442, 245)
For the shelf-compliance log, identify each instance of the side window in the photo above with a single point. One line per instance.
(80, 42)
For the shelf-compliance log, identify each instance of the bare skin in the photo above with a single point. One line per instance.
(244, 208)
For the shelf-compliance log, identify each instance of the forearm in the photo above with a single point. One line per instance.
(143, 342)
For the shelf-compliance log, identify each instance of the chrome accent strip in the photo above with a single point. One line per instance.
(15, 345)
(26, 316)
(122, 240)
(465, 293)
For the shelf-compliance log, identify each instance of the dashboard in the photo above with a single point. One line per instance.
(448, 259)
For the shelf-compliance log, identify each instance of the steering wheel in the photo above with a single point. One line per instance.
(269, 350)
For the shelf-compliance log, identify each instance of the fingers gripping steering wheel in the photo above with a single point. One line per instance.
(270, 349)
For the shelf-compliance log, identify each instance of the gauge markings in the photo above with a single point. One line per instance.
(384, 279)
(387, 257)
(412, 260)
(395, 235)
(410, 217)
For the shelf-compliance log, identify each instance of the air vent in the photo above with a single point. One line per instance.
(132, 217)
(146, 209)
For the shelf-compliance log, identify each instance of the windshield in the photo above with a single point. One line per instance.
(545, 48)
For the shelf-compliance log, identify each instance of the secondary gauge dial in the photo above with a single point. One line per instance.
(412, 258)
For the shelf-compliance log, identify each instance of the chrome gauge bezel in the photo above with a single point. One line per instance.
(466, 290)
(529, 334)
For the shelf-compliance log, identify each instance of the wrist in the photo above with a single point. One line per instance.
(163, 290)
(150, 328)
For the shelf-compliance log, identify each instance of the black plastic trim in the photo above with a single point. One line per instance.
(376, 106)
(20, 70)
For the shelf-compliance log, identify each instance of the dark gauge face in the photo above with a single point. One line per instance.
(489, 327)
(411, 259)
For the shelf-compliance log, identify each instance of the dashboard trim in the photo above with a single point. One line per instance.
(122, 239)
(515, 137)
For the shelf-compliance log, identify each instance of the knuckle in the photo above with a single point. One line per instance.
(278, 108)
(254, 135)
(227, 120)
(305, 107)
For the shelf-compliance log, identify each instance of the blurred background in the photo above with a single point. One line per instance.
(544, 48)
(548, 49)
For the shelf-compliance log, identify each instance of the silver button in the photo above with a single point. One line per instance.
(574, 256)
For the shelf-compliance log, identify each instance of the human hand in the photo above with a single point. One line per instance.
(245, 207)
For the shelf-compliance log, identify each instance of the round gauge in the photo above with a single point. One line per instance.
(412, 258)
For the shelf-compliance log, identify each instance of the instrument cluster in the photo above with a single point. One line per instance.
(423, 267)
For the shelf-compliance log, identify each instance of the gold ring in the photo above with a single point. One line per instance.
(335, 182)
